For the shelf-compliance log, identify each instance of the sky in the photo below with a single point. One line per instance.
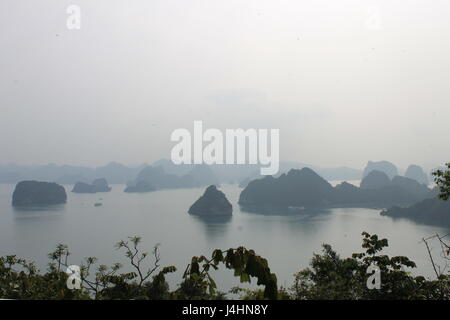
(345, 81)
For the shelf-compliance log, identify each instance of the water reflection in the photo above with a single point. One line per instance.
(39, 212)
(34, 208)
(277, 211)
(214, 227)
(287, 222)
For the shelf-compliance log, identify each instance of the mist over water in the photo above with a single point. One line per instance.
(287, 241)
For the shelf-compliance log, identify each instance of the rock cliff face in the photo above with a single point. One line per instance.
(416, 173)
(297, 188)
(410, 185)
(374, 180)
(384, 166)
(212, 203)
(31, 193)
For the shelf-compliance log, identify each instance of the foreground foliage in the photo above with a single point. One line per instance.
(328, 277)
(20, 279)
(442, 180)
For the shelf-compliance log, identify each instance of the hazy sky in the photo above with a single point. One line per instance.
(344, 81)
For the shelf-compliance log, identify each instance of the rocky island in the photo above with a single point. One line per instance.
(429, 211)
(384, 166)
(36, 193)
(101, 185)
(297, 188)
(416, 172)
(98, 185)
(375, 179)
(139, 187)
(212, 203)
(82, 187)
(305, 188)
(152, 178)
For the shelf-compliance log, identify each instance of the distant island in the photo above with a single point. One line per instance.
(413, 171)
(36, 193)
(296, 188)
(305, 188)
(139, 187)
(416, 172)
(429, 211)
(117, 173)
(378, 180)
(338, 173)
(98, 185)
(212, 203)
(384, 166)
(152, 178)
(114, 172)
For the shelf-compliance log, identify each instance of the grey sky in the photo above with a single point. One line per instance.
(341, 88)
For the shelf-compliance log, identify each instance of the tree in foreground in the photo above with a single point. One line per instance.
(20, 279)
(442, 180)
(328, 277)
(332, 277)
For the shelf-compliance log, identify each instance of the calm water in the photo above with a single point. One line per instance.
(288, 242)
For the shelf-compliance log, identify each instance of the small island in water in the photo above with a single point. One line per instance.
(139, 187)
(98, 185)
(212, 203)
(429, 211)
(36, 193)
